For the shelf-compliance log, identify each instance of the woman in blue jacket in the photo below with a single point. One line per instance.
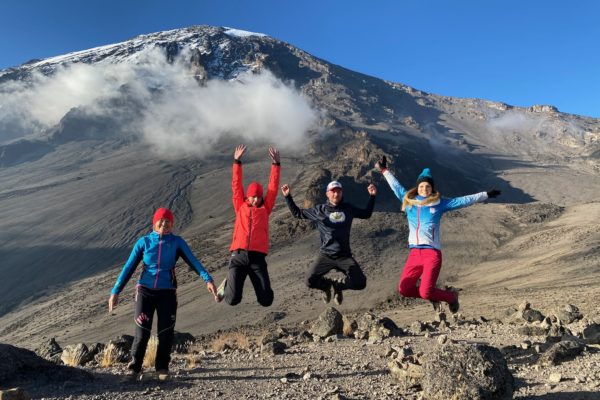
(424, 208)
(156, 289)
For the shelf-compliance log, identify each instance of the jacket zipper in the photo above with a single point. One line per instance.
(249, 229)
(158, 262)
(418, 222)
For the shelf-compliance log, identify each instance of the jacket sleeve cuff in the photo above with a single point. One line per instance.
(237, 161)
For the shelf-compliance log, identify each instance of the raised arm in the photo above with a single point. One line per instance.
(396, 187)
(296, 211)
(273, 185)
(365, 213)
(237, 185)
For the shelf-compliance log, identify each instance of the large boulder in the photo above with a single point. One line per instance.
(591, 334)
(50, 351)
(375, 328)
(561, 351)
(330, 322)
(20, 365)
(183, 341)
(76, 355)
(467, 372)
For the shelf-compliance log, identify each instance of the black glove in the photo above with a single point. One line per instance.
(382, 164)
(493, 193)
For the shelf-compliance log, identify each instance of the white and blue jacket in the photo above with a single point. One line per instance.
(424, 221)
(158, 255)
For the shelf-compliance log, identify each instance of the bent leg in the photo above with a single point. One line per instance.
(259, 276)
(355, 277)
(166, 312)
(315, 277)
(432, 265)
(145, 304)
(413, 268)
(238, 270)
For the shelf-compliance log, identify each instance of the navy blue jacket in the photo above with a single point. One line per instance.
(333, 222)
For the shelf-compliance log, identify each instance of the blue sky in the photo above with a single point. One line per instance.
(517, 51)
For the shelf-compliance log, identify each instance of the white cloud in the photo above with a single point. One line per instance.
(180, 117)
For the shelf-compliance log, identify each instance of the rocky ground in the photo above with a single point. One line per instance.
(551, 353)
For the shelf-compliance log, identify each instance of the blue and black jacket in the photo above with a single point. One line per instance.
(159, 255)
(424, 220)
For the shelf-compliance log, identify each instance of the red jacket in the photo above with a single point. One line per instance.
(251, 230)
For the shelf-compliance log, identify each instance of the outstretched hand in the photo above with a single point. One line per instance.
(381, 164)
(274, 154)
(372, 189)
(285, 190)
(239, 152)
(113, 300)
(212, 289)
(493, 193)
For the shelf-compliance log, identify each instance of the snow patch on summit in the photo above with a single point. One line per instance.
(241, 33)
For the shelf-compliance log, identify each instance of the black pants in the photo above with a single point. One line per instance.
(250, 264)
(355, 278)
(164, 302)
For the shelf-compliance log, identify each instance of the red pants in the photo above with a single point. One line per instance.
(426, 265)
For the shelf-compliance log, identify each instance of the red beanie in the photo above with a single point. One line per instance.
(163, 213)
(254, 189)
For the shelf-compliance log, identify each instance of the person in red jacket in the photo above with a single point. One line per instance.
(250, 244)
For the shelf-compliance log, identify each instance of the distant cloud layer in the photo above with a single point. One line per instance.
(178, 117)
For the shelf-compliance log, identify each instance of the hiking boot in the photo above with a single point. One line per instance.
(163, 375)
(338, 294)
(221, 290)
(454, 306)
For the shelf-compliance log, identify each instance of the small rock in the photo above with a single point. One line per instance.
(442, 339)
(555, 377)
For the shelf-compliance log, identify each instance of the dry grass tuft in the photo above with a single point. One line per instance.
(231, 340)
(192, 361)
(73, 355)
(110, 355)
(150, 356)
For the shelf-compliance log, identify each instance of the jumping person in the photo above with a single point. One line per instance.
(156, 289)
(424, 208)
(250, 244)
(334, 220)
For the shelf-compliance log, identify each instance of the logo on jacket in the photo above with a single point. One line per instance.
(432, 210)
(337, 217)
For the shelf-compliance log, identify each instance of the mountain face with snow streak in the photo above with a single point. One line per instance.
(91, 142)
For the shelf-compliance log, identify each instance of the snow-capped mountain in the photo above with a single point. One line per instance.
(92, 141)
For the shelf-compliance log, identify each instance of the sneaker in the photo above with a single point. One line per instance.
(131, 375)
(455, 305)
(221, 290)
(338, 294)
(163, 375)
(326, 296)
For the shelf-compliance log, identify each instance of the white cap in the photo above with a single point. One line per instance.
(333, 185)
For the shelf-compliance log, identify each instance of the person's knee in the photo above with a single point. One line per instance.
(312, 281)
(233, 301)
(404, 288)
(266, 300)
(359, 284)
